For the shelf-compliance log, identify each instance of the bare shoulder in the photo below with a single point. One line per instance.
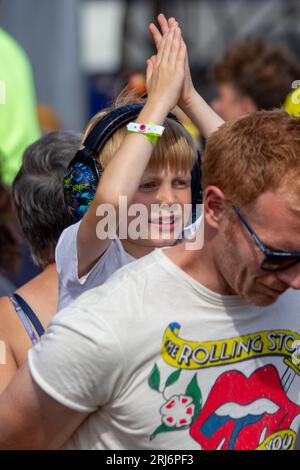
(41, 294)
(12, 331)
(8, 328)
(8, 316)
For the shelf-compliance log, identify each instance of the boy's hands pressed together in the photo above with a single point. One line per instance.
(165, 72)
(188, 90)
(191, 103)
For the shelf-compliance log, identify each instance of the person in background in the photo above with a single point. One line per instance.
(136, 84)
(251, 76)
(9, 247)
(18, 117)
(49, 121)
(37, 193)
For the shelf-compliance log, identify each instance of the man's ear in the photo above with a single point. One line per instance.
(214, 206)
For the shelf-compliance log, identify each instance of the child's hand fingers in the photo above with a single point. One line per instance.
(185, 52)
(176, 45)
(149, 71)
(169, 48)
(165, 46)
(156, 35)
(172, 21)
(160, 51)
(182, 53)
(164, 24)
(153, 60)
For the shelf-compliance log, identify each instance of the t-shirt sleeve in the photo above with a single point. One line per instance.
(79, 361)
(67, 260)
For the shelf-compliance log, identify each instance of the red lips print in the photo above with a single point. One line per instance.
(241, 412)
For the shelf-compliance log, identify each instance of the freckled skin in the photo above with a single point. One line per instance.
(240, 258)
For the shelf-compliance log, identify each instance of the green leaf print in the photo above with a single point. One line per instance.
(161, 428)
(164, 428)
(194, 391)
(173, 378)
(154, 379)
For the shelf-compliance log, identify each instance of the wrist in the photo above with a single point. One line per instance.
(154, 111)
(189, 100)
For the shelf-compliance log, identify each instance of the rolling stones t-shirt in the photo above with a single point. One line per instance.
(160, 362)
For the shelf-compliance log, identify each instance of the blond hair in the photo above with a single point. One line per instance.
(175, 149)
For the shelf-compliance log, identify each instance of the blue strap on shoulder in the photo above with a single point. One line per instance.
(30, 314)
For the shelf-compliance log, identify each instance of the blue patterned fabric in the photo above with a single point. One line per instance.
(80, 184)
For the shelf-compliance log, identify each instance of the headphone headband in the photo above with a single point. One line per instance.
(108, 125)
(114, 120)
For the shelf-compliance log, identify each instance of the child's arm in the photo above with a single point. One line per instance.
(194, 106)
(123, 174)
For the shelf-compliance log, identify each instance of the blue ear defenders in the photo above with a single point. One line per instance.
(84, 172)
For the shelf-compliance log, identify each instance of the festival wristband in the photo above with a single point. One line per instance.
(150, 131)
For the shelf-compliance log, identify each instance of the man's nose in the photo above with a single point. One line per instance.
(290, 277)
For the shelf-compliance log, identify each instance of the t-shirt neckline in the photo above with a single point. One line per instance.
(224, 301)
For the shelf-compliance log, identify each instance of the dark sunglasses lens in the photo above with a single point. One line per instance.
(279, 263)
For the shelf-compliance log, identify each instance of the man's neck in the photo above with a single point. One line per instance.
(200, 265)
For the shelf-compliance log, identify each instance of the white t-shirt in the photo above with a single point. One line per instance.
(70, 286)
(161, 362)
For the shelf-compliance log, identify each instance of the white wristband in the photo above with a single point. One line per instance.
(142, 128)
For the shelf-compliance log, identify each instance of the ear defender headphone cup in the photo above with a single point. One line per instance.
(80, 184)
(82, 176)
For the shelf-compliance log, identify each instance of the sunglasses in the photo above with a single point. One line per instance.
(274, 260)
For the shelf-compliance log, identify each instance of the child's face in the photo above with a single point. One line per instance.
(158, 191)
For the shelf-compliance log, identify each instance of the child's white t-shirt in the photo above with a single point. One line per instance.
(70, 285)
(115, 257)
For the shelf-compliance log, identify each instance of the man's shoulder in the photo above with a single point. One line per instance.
(139, 271)
(121, 296)
(131, 279)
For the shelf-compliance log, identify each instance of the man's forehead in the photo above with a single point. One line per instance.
(277, 210)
